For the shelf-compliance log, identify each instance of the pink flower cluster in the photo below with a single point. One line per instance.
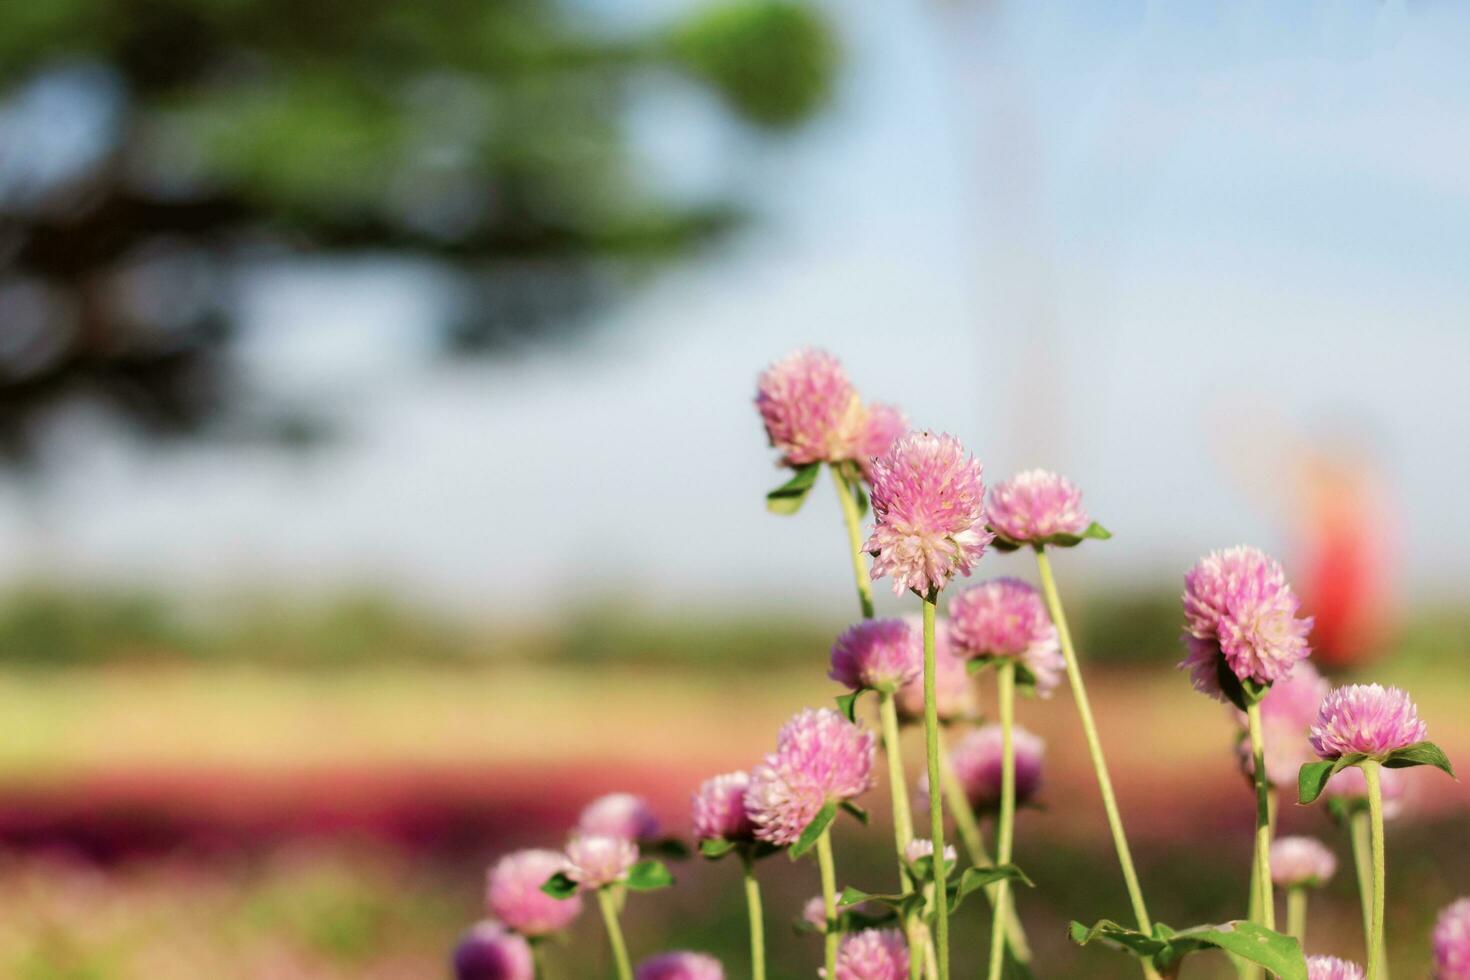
(1368, 719)
(596, 860)
(488, 952)
(1298, 862)
(514, 896)
(1332, 968)
(1036, 504)
(620, 815)
(1452, 942)
(680, 965)
(820, 757)
(813, 413)
(1006, 617)
(873, 954)
(977, 760)
(954, 692)
(879, 655)
(718, 808)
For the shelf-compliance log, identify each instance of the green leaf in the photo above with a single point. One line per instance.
(1120, 937)
(1004, 544)
(789, 496)
(902, 904)
(847, 704)
(1279, 954)
(560, 886)
(976, 665)
(974, 879)
(1420, 754)
(1093, 531)
(855, 811)
(1312, 777)
(670, 847)
(715, 848)
(813, 831)
(649, 876)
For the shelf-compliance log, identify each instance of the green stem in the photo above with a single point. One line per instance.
(936, 806)
(1377, 953)
(757, 922)
(1263, 818)
(1296, 914)
(855, 542)
(538, 961)
(1358, 832)
(608, 903)
(1005, 678)
(1094, 747)
(829, 899)
(903, 819)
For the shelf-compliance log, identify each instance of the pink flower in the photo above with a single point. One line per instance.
(1452, 942)
(1368, 719)
(820, 758)
(1301, 862)
(1294, 699)
(513, 893)
(619, 815)
(977, 762)
(488, 952)
(814, 912)
(595, 861)
(882, 427)
(873, 954)
(922, 847)
(718, 807)
(928, 504)
(877, 654)
(1332, 968)
(1237, 605)
(681, 966)
(1286, 750)
(954, 692)
(1005, 617)
(1036, 504)
(1351, 786)
(811, 410)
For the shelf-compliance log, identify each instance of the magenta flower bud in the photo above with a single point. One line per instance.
(488, 952)
(1034, 505)
(619, 815)
(1452, 941)
(1332, 968)
(820, 758)
(718, 808)
(873, 954)
(680, 966)
(882, 427)
(877, 654)
(1298, 862)
(923, 847)
(595, 861)
(1006, 617)
(1238, 606)
(1366, 718)
(928, 507)
(1351, 786)
(513, 893)
(954, 692)
(977, 762)
(811, 410)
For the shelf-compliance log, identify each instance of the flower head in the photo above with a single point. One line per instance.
(1366, 718)
(811, 410)
(596, 860)
(928, 506)
(1005, 617)
(680, 965)
(923, 847)
(1351, 786)
(882, 426)
(1301, 862)
(1036, 504)
(718, 808)
(1294, 699)
(1238, 606)
(513, 893)
(1452, 941)
(954, 692)
(814, 913)
(619, 815)
(977, 762)
(488, 952)
(820, 758)
(1286, 750)
(873, 954)
(1332, 968)
(877, 654)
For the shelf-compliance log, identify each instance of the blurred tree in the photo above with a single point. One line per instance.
(149, 147)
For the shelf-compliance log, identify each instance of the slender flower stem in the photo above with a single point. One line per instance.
(936, 805)
(1377, 954)
(903, 819)
(1094, 747)
(1005, 679)
(1296, 914)
(609, 905)
(1263, 818)
(855, 541)
(538, 962)
(757, 922)
(829, 899)
(1358, 832)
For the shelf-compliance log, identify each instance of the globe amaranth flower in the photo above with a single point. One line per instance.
(877, 654)
(1294, 699)
(814, 913)
(1351, 786)
(977, 762)
(1452, 941)
(882, 427)
(954, 689)
(811, 410)
(1238, 606)
(596, 860)
(1332, 968)
(873, 954)
(1301, 862)
(1006, 617)
(928, 507)
(514, 896)
(680, 965)
(489, 952)
(718, 808)
(1034, 505)
(1286, 751)
(619, 815)
(1368, 719)
(820, 758)
(923, 847)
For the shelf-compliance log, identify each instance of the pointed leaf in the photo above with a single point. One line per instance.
(847, 705)
(1311, 780)
(976, 665)
(715, 848)
(975, 879)
(855, 811)
(813, 831)
(1002, 543)
(1120, 937)
(789, 496)
(1420, 754)
(560, 886)
(649, 876)
(1280, 954)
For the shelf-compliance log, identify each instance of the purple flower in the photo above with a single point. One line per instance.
(811, 410)
(488, 952)
(718, 808)
(595, 861)
(1301, 862)
(1452, 941)
(1006, 617)
(1332, 968)
(1351, 786)
(1237, 605)
(513, 893)
(928, 505)
(1036, 504)
(680, 966)
(820, 758)
(954, 692)
(977, 762)
(619, 815)
(877, 654)
(1368, 719)
(873, 954)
